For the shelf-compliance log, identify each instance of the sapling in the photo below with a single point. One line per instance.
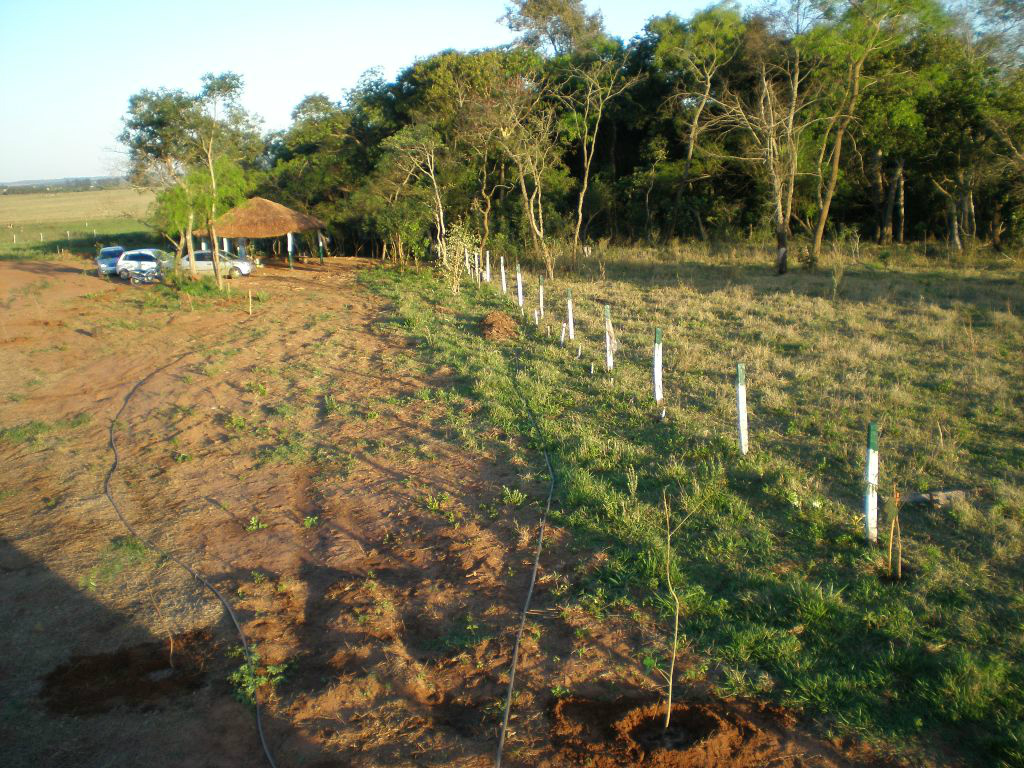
(893, 509)
(675, 598)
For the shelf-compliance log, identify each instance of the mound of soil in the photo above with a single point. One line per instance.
(499, 326)
(139, 677)
(629, 733)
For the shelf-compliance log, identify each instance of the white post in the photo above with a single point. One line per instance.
(487, 272)
(659, 395)
(536, 318)
(579, 352)
(572, 325)
(476, 267)
(466, 254)
(291, 248)
(202, 243)
(561, 341)
(504, 286)
(519, 286)
(609, 339)
(541, 295)
(741, 406)
(871, 486)
(224, 245)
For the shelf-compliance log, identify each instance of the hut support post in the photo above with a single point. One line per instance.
(290, 246)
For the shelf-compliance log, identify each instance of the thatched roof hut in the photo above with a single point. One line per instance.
(258, 217)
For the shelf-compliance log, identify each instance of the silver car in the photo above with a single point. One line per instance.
(230, 264)
(141, 260)
(106, 262)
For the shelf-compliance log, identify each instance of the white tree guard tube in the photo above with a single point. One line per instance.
(540, 295)
(504, 285)
(871, 486)
(487, 269)
(466, 254)
(659, 394)
(609, 339)
(741, 407)
(561, 341)
(519, 286)
(572, 325)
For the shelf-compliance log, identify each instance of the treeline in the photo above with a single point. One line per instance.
(887, 120)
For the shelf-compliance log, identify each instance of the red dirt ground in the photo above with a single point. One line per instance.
(307, 463)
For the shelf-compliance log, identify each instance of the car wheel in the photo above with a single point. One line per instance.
(123, 274)
(235, 272)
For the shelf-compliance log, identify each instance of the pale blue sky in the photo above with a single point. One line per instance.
(67, 67)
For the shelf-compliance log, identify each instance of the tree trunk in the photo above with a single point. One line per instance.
(830, 189)
(782, 250)
(882, 211)
(178, 250)
(890, 202)
(953, 225)
(190, 245)
(901, 201)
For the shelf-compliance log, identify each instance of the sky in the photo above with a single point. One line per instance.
(68, 67)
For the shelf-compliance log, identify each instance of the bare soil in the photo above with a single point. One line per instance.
(302, 460)
(499, 326)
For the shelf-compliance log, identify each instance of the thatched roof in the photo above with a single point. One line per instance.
(258, 217)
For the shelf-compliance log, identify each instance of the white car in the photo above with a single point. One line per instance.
(230, 264)
(141, 260)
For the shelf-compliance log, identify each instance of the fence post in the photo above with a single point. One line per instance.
(504, 286)
(741, 406)
(541, 295)
(609, 339)
(519, 287)
(871, 486)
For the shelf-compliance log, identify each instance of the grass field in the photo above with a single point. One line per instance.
(42, 225)
(782, 599)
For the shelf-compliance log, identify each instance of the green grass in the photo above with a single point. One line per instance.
(33, 431)
(41, 225)
(781, 599)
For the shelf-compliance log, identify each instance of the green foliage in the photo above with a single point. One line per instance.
(251, 676)
(255, 524)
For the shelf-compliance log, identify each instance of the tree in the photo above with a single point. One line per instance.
(586, 89)
(866, 28)
(694, 54)
(416, 152)
(157, 132)
(775, 112)
(559, 26)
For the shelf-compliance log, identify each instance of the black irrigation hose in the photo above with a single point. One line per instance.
(533, 576)
(191, 571)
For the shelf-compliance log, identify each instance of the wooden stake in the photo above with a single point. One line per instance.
(741, 406)
(871, 486)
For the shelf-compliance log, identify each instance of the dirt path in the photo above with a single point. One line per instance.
(305, 462)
